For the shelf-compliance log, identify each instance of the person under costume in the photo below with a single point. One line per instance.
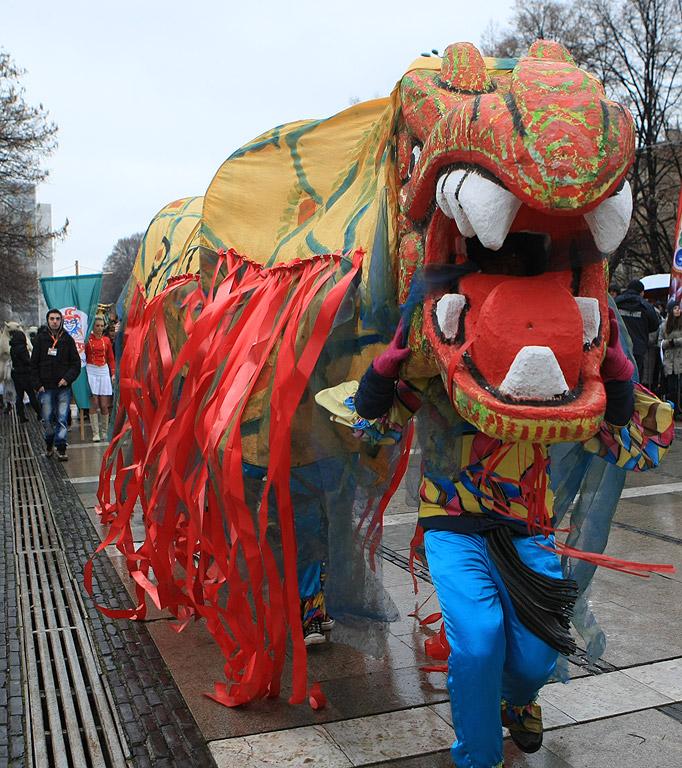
(490, 568)
(101, 368)
(311, 537)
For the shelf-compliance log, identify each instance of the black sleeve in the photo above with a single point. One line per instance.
(74, 368)
(35, 364)
(620, 402)
(375, 394)
(652, 318)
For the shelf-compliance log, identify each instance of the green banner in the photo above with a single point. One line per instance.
(76, 296)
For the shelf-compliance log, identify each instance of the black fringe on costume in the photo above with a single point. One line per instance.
(543, 605)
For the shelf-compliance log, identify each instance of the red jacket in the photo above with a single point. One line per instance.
(100, 352)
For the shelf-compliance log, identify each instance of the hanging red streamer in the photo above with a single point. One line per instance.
(178, 452)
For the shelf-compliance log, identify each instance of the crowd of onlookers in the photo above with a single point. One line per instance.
(655, 329)
(44, 366)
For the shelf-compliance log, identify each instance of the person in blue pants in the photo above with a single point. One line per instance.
(55, 365)
(506, 608)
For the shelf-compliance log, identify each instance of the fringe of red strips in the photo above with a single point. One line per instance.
(186, 467)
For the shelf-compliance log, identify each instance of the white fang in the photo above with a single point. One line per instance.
(446, 197)
(535, 374)
(589, 309)
(490, 208)
(448, 311)
(609, 223)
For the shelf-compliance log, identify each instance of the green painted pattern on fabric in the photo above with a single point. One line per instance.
(314, 245)
(292, 140)
(272, 141)
(349, 234)
(345, 184)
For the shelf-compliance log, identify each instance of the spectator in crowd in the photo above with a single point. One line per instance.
(110, 332)
(21, 374)
(640, 319)
(614, 290)
(670, 336)
(55, 365)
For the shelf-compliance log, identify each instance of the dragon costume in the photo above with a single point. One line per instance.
(477, 203)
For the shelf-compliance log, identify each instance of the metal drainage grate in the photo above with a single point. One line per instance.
(70, 719)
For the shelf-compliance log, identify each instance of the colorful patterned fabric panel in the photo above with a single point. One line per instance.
(643, 443)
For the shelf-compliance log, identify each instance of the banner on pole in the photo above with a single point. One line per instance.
(76, 296)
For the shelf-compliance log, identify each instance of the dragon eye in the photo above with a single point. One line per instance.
(416, 154)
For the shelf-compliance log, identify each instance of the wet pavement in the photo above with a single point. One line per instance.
(624, 712)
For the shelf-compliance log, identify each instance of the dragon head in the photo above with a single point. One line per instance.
(511, 191)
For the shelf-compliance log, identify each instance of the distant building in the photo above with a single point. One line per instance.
(28, 306)
(44, 257)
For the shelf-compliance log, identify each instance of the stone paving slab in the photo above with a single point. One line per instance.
(646, 739)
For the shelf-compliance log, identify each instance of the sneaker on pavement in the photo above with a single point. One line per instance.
(61, 453)
(525, 726)
(49, 448)
(312, 634)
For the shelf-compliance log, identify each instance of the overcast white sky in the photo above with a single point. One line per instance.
(151, 97)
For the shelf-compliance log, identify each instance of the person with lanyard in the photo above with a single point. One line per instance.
(99, 356)
(55, 365)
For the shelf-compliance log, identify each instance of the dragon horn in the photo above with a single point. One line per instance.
(463, 69)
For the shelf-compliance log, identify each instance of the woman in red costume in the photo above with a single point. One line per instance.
(99, 356)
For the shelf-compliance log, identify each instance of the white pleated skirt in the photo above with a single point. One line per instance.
(99, 379)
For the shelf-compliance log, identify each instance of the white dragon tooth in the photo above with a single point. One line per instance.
(490, 208)
(446, 197)
(448, 311)
(441, 197)
(609, 223)
(535, 374)
(589, 309)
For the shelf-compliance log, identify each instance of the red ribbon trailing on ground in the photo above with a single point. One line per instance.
(178, 451)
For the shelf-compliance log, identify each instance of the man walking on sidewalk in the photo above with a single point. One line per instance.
(640, 319)
(55, 365)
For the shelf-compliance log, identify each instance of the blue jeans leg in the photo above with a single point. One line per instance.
(63, 403)
(492, 653)
(47, 404)
(55, 402)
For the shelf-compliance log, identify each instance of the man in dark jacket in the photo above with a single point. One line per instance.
(55, 365)
(21, 374)
(640, 319)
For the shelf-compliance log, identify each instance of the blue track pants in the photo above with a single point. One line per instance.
(492, 655)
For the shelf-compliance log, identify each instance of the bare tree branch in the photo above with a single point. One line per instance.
(119, 263)
(27, 137)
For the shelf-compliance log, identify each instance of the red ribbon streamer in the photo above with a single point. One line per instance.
(178, 451)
